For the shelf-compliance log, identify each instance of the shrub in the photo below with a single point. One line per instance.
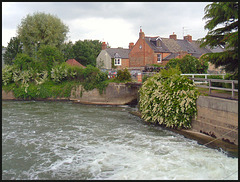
(189, 64)
(7, 74)
(59, 73)
(169, 99)
(123, 75)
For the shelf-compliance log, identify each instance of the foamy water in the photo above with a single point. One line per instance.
(62, 140)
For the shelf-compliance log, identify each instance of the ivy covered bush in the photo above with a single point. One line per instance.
(168, 99)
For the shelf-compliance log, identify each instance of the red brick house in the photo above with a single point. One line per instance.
(73, 62)
(158, 50)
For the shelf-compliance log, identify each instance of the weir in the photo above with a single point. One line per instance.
(217, 118)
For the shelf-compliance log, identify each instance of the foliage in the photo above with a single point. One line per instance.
(222, 25)
(86, 51)
(123, 75)
(94, 78)
(41, 29)
(189, 64)
(169, 99)
(23, 62)
(13, 48)
(7, 74)
(46, 90)
(62, 72)
(67, 49)
(49, 56)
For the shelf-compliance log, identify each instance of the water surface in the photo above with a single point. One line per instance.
(67, 141)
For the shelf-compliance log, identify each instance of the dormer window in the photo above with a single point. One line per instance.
(159, 43)
(117, 59)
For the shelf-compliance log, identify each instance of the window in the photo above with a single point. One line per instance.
(159, 58)
(117, 61)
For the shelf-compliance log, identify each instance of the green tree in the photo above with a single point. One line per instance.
(41, 29)
(67, 49)
(49, 56)
(189, 64)
(14, 47)
(23, 62)
(222, 25)
(86, 51)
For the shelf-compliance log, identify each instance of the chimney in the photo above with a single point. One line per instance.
(104, 46)
(131, 44)
(141, 34)
(188, 38)
(173, 36)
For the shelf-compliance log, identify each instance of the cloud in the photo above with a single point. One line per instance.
(116, 31)
(114, 22)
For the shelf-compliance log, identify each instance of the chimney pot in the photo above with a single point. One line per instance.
(173, 36)
(188, 38)
(141, 34)
(104, 46)
(131, 44)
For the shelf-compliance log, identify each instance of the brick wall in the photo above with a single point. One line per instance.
(140, 57)
(124, 64)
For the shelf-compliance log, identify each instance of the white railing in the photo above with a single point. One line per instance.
(206, 76)
(210, 87)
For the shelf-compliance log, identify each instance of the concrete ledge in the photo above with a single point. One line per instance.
(218, 104)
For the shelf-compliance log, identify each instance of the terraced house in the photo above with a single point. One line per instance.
(155, 50)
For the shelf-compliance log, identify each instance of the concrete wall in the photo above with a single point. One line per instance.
(217, 118)
(115, 94)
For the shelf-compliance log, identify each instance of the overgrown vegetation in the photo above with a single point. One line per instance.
(27, 84)
(168, 99)
(189, 64)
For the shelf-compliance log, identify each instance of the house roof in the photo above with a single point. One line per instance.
(118, 52)
(73, 62)
(152, 42)
(179, 45)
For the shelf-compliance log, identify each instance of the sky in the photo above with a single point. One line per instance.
(117, 23)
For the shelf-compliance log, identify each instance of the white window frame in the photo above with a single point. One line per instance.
(117, 61)
(159, 61)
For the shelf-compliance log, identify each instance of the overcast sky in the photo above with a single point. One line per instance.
(117, 23)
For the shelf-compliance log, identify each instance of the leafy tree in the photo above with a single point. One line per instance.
(49, 56)
(41, 29)
(87, 51)
(67, 49)
(222, 25)
(189, 64)
(14, 47)
(23, 61)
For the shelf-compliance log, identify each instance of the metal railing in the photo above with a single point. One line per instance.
(210, 87)
(205, 75)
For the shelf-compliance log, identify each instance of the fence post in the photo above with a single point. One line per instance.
(210, 84)
(206, 78)
(232, 89)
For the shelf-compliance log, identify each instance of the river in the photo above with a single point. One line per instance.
(68, 141)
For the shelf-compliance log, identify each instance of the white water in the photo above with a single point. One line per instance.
(62, 140)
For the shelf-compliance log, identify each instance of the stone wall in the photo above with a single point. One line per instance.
(217, 118)
(115, 94)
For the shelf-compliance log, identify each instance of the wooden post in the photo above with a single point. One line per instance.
(210, 84)
(232, 89)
